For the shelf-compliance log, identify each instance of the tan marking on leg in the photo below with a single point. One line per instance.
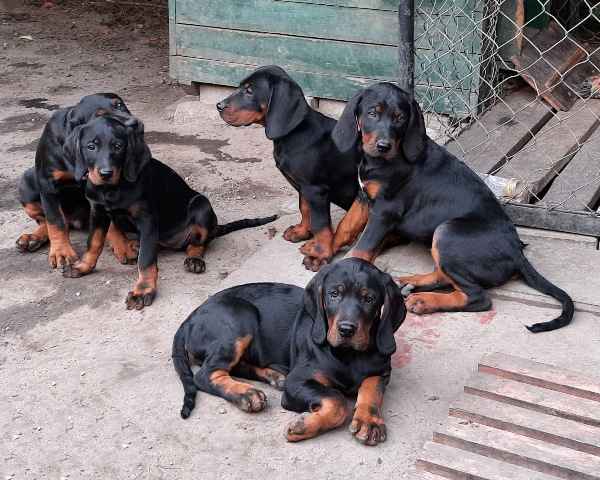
(372, 188)
(144, 289)
(301, 231)
(330, 414)
(61, 251)
(429, 302)
(244, 395)
(90, 257)
(30, 242)
(367, 424)
(321, 246)
(125, 250)
(352, 225)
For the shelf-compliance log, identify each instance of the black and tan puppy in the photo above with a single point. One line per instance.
(418, 191)
(304, 152)
(140, 195)
(51, 194)
(333, 339)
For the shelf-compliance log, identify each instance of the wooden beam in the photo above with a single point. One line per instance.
(558, 220)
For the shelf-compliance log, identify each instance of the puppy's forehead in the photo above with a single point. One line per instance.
(387, 96)
(104, 128)
(355, 274)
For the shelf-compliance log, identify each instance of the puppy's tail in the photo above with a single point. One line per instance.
(245, 223)
(535, 280)
(182, 367)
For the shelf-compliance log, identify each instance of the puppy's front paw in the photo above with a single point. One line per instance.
(29, 242)
(252, 401)
(368, 426)
(419, 303)
(297, 233)
(126, 252)
(79, 269)
(297, 430)
(138, 300)
(194, 265)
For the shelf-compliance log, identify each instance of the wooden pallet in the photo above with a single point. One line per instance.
(518, 420)
(555, 155)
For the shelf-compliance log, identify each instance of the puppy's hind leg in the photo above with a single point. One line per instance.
(238, 323)
(203, 224)
(459, 267)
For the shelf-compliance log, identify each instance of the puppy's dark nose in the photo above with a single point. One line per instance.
(105, 173)
(346, 329)
(221, 106)
(383, 146)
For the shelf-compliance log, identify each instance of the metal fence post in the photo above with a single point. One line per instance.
(406, 45)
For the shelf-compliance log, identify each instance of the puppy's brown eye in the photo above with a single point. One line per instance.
(369, 299)
(118, 147)
(372, 114)
(334, 294)
(91, 146)
(248, 91)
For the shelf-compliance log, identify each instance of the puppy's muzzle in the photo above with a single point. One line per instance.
(346, 329)
(105, 173)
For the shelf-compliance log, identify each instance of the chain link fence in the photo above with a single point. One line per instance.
(510, 87)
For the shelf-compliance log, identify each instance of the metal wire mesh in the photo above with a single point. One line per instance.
(510, 86)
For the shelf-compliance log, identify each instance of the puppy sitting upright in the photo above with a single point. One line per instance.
(141, 195)
(50, 193)
(418, 191)
(303, 151)
(334, 338)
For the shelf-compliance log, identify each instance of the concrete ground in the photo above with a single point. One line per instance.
(88, 389)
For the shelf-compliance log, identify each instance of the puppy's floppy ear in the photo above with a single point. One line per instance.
(73, 155)
(392, 315)
(286, 109)
(138, 154)
(415, 136)
(314, 306)
(345, 132)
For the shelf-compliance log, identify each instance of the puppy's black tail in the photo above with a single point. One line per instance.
(245, 223)
(182, 367)
(535, 280)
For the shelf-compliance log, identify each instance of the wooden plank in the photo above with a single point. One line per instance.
(188, 70)
(444, 7)
(521, 451)
(538, 162)
(314, 55)
(550, 429)
(502, 131)
(303, 19)
(537, 399)
(541, 375)
(559, 220)
(578, 185)
(454, 463)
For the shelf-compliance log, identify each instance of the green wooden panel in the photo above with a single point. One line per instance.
(432, 6)
(187, 70)
(304, 19)
(318, 56)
